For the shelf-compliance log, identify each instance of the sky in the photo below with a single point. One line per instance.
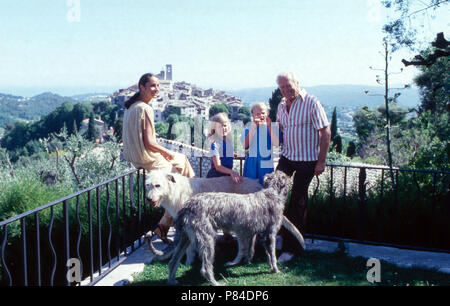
(225, 44)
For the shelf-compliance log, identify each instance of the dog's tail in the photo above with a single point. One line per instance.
(291, 227)
(167, 252)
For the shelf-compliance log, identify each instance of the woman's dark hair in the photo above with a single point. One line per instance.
(142, 81)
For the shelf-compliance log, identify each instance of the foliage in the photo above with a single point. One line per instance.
(403, 28)
(172, 110)
(334, 130)
(244, 118)
(118, 126)
(351, 149)
(365, 121)
(337, 158)
(219, 108)
(162, 128)
(17, 109)
(273, 104)
(92, 131)
(244, 115)
(245, 110)
(67, 114)
(434, 84)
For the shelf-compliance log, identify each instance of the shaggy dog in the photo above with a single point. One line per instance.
(243, 214)
(171, 190)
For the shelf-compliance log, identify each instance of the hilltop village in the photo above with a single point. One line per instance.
(192, 100)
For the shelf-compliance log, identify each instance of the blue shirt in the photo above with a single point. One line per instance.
(225, 151)
(259, 160)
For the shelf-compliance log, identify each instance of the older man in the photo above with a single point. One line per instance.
(306, 139)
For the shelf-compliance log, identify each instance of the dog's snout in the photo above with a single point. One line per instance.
(154, 204)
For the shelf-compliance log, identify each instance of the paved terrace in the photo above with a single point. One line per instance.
(439, 262)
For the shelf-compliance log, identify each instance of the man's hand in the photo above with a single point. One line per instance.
(320, 168)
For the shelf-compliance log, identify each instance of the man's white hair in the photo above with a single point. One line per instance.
(289, 76)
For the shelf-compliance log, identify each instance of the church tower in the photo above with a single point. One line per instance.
(169, 72)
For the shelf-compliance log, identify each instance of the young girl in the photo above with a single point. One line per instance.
(258, 140)
(222, 150)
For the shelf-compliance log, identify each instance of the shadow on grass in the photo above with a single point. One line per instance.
(312, 268)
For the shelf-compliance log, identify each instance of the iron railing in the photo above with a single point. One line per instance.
(361, 204)
(348, 204)
(99, 236)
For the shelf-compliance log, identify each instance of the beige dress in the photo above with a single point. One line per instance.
(133, 144)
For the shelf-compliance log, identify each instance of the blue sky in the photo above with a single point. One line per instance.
(227, 44)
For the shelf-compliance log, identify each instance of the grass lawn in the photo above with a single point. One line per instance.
(313, 268)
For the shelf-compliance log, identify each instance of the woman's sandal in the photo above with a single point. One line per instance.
(160, 231)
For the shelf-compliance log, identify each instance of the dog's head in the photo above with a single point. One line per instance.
(157, 186)
(277, 180)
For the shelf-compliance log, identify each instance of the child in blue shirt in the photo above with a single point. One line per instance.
(259, 141)
(222, 149)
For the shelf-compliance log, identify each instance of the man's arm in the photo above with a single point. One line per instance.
(325, 138)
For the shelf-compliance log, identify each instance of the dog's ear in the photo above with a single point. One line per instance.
(171, 178)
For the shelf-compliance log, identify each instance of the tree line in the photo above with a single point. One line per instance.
(23, 138)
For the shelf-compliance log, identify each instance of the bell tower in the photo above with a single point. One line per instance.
(169, 72)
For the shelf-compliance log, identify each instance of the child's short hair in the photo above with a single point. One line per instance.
(260, 105)
(218, 118)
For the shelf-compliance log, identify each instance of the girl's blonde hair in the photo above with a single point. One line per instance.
(260, 105)
(218, 118)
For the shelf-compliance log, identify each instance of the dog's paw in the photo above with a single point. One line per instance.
(219, 284)
(172, 282)
(275, 271)
(230, 263)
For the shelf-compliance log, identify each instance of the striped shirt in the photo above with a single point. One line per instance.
(300, 127)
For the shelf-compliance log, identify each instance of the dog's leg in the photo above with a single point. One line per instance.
(190, 255)
(241, 251)
(176, 258)
(273, 257)
(251, 250)
(206, 244)
(266, 249)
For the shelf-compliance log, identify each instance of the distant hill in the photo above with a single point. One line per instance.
(17, 108)
(336, 95)
(90, 97)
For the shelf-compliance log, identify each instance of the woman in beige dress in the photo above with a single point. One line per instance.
(139, 141)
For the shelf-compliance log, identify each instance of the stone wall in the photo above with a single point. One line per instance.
(198, 158)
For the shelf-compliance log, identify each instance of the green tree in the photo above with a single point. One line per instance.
(171, 120)
(334, 130)
(172, 110)
(244, 118)
(351, 149)
(365, 121)
(162, 129)
(219, 108)
(92, 132)
(80, 112)
(434, 85)
(118, 127)
(244, 115)
(273, 104)
(337, 143)
(404, 26)
(244, 110)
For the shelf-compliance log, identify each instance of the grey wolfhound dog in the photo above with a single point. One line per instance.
(172, 190)
(243, 214)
